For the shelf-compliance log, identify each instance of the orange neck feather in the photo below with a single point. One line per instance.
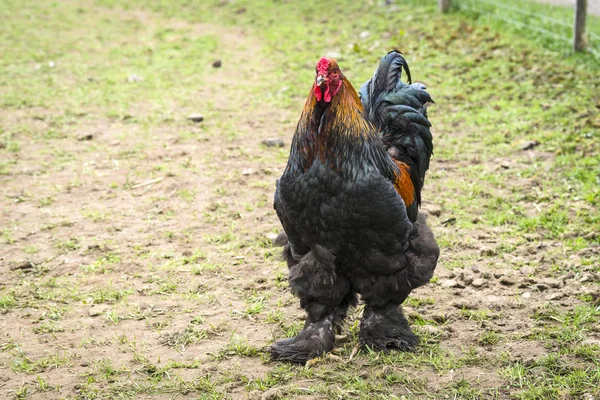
(347, 111)
(337, 133)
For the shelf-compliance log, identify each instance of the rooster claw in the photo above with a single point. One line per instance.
(313, 341)
(386, 328)
(406, 343)
(326, 357)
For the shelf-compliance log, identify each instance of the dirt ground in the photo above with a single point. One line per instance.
(137, 260)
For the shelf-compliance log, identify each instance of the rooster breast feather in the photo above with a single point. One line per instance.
(363, 221)
(399, 112)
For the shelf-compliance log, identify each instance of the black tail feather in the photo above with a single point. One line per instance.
(399, 111)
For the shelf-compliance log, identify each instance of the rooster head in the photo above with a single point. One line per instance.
(328, 80)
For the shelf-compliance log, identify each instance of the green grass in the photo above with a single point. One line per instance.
(7, 301)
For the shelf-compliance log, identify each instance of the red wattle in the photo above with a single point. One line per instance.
(327, 94)
(318, 93)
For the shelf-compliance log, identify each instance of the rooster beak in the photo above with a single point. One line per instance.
(320, 80)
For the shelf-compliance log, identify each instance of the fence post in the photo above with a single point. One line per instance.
(444, 5)
(579, 26)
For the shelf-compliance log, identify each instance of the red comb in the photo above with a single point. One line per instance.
(323, 66)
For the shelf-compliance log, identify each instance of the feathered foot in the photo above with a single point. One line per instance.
(386, 327)
(314, 340)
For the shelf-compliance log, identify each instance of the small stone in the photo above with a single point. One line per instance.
(518, 260)
(553, 283)
(85, 136)
(478, 282)
(464, 278)
(493, 299)
(451, 283)
(526, 283)
(585, 278)
(475, 220)
(217, 64)
(542, 287)
(530, 144)
(507, 281)
(468, 280)
(22, 265)
(433, 331)
(487, 252)
(505, 164)
(526, 270)
(498, 274)
(475, 269)
(555, 296)
(568, 276)
(434, 210)
(273, 142)
(98, 310)
(134, 78)
(247, 171)
(526, 295)
(449, 221)
(466, 304)
(196, 117)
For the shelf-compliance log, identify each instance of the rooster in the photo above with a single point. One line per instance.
(348, 201)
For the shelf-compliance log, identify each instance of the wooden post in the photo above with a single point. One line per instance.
(444, 5)
(579, 26)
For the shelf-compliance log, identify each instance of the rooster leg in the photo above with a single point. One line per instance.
(341, 310)
(326, 297)
(314, 340)
(383, 324)
(318, 334)
(386, 327)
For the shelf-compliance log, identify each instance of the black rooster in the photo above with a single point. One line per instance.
(348, 202)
